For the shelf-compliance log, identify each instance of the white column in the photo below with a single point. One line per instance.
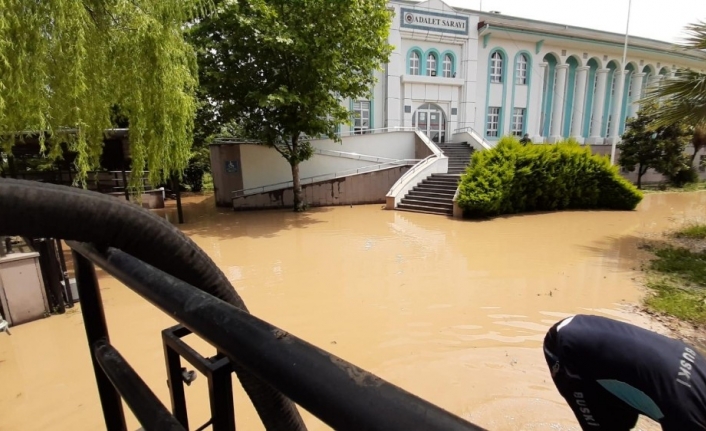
(617, 106)
(537, 138)
(598, 102)
(558, 105)
(635, 91)
(579, 103)
(395, 69)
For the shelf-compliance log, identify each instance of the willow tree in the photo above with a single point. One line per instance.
(281, 69)
(65, 65)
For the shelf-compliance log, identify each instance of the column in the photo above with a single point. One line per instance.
(537, 138)
(579, 103)
(558, 105)
(617, 106)
(636, 91)
(598, 102)
(395, 69)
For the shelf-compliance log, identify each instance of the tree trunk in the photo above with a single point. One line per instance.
(297, 187)
(640, 173)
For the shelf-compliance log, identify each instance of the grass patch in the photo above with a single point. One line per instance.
(695, 231)
(679, 281)
(663, 187)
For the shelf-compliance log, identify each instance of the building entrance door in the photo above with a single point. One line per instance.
(431, 120)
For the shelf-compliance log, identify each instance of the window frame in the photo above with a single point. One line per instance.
(513, 129)
(521, 70)
(415, 57)
(493, 112)
(496, 67)
(359, 119)
(429, 69)
(448, 61)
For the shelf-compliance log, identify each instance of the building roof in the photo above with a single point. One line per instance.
(525, 25)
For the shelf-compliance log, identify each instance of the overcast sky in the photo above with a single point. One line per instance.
(654, 19)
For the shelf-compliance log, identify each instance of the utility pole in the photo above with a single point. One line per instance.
(622, 76)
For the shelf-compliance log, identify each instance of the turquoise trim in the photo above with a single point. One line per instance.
(549, 101)
(634, 398)
(438, 62)
(486, 39)
(528, 57)
(422, 61)
(570, 94)
(372, 109)
(538, 46)
(503, 74)
(590, 87)
(626, 99)
(592, 41)
(607, 107)
(453, 61)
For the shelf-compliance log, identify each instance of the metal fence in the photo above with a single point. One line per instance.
(339, 393)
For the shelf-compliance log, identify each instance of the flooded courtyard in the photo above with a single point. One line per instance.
(452, 311)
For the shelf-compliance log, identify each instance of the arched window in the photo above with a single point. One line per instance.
(521, 72)
(496, 68)
(448, 66)
(431, 64)
(414, 65)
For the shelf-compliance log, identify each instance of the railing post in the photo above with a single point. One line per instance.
(97, 330)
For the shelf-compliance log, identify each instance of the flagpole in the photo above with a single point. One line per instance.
(622, 76)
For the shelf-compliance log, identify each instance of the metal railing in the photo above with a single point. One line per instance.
(340, 394)
(477, 136)
(362, 132)
(323, 177)
(354, 156)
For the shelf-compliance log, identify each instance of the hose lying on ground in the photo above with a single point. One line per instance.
(42, 210)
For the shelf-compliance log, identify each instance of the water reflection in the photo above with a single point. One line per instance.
(453, 311)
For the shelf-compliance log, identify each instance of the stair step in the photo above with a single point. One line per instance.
(443, 175)
(422, 196)
(424, 209)
(448, 192)
(445, 181)
(431, 204)
(442, 187)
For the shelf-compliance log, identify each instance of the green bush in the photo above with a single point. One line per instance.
(685, 175)
(514, 178)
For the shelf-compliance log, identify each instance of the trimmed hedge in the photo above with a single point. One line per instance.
(513, 178)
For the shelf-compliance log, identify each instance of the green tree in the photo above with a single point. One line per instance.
(645, 145)
(68, 64)
(280, 69)
(687, 89)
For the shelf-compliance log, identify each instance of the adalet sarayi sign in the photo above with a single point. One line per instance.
(433, 21)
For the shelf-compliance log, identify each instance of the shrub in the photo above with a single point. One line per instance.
(513, 178)
(685, 175)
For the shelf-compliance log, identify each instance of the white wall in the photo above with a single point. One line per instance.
(581, 50)
(262, 166)
(392, 145)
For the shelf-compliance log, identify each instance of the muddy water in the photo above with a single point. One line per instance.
(453, 311)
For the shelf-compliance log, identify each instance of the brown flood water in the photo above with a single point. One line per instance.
(453, 311)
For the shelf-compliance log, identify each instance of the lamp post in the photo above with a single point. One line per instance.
(622, 76)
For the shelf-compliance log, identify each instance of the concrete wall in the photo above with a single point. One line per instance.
(651, 176)
(352, 190)
(256, 165)
(226, 181)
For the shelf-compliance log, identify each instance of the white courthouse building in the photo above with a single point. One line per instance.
(455, 69)
(456, 77)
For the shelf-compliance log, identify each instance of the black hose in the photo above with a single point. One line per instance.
(41, 210)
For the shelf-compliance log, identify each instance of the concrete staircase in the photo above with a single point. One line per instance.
(434, 195)
(459, 154)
